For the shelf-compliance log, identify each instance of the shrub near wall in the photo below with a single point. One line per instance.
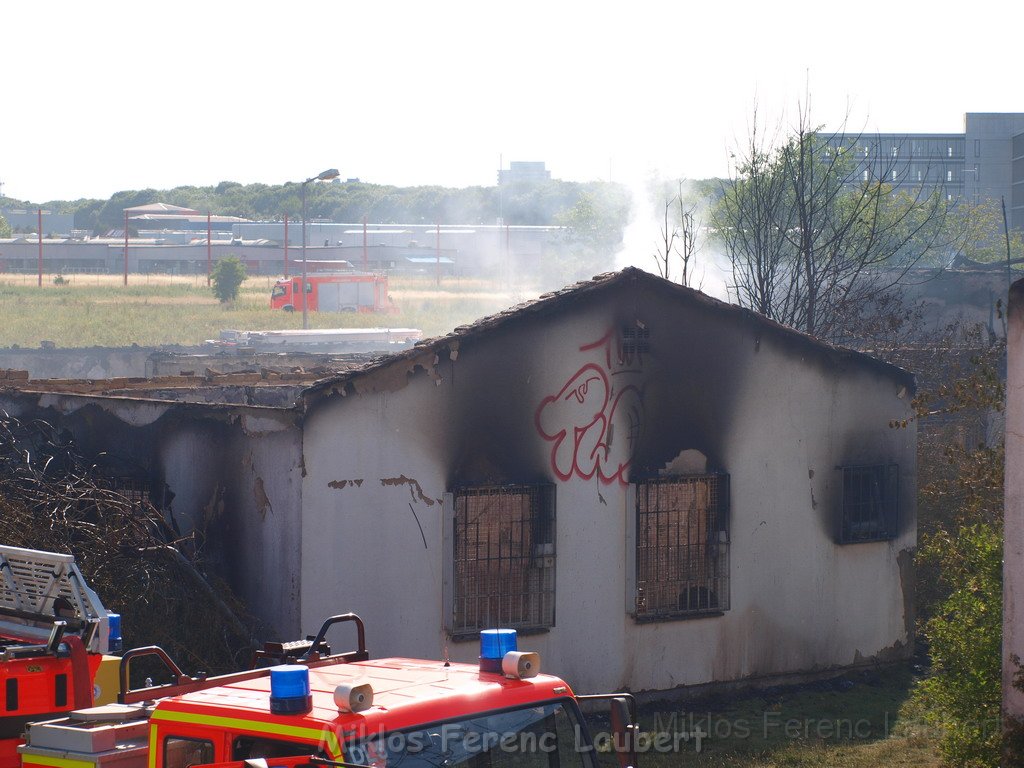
(962, 696)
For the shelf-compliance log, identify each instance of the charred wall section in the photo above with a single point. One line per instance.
(228, 475)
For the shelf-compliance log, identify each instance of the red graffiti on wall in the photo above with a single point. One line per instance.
(596, 418)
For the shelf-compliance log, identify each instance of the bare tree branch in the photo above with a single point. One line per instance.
(815, 234)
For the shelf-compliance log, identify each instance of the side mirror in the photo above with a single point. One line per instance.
(624, 732)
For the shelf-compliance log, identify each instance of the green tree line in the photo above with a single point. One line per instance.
(527, 204)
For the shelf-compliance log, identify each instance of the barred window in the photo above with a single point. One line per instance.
(132, 480)
(870, 502)
(136, 490)
(503, 558)
(682, 546)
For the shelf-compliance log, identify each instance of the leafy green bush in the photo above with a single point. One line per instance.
(228, 275)
(962, 695)
(959, 563)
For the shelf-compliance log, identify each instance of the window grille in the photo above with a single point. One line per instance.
(131, 480)
(136, 490)
(504, 557)
(682, 546)
(870, 502)
(635, 341)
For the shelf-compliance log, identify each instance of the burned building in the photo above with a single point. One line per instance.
(657, 488)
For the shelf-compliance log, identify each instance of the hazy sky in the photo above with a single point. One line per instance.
(107, 96)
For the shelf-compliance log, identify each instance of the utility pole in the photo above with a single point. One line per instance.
(1006, 234)
(126, 246)
(40, 227)
(209, 249)
(330, 173)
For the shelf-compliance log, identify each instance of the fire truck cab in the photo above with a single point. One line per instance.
(333, 292)
(54, 637)
(341, 710)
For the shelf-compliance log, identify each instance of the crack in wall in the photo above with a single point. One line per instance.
(415, 489)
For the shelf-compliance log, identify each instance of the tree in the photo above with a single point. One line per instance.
(963, 693)
(228, 275)
(5, 228)
(677, 236)
(816, 235)
(959, 563)
(527, 204)
(688, 227)
(986, 237)
(594, 228)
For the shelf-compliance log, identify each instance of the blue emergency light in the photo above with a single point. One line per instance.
(114, 632)
(289, 690)
(494, 644)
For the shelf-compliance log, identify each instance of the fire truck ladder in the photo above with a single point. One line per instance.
(43, 595)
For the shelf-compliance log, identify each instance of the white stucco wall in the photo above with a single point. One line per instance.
(779, 416)
(363, 549)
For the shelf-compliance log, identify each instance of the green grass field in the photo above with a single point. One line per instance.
(851, 722)
(98, 310)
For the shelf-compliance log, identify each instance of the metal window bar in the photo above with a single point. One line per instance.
(136, 490)
(682, 551)
(504, 557)
(870, 502)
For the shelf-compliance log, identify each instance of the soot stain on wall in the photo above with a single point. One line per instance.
(490, 436)
(102, 437)
(697, 373)
(682, 369)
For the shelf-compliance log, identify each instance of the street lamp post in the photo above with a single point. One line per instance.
(330, 173)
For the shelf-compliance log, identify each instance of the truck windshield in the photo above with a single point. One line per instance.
(279, 290)
(543, 736)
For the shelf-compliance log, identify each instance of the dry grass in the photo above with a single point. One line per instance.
(894, 752)
(850, 722)
(98, 310)
(102, 281)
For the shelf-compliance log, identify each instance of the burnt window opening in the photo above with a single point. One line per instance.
(503, 558)
(635, 341)
(870, 503)
(682, 546)
(132, 481)
(137, 490)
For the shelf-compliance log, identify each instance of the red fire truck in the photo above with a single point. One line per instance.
(312, 708)
(333, 292)
(54, 632)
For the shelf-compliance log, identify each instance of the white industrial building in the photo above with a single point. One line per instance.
(656, 488)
